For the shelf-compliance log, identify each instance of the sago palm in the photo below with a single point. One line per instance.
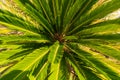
(60, 40)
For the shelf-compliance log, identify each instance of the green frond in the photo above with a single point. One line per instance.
(76, 11)
(42, 70)
(64, 70)
(71, 13)
(23, 67)
(76, 67)
(105, 29)
(100, 66)
(6, 55)
(31, 10)
(14, 22)
(110, 38)
(55, 71)
(56, 52)
(55, 57)
(108, 51)
(111, 25)
(99, 12)
(59, 40)
(90, 74)
(24, 38)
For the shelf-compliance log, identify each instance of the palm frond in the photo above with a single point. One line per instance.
(59, 40)
(24, 38)
(98, 65)
(23, 67)
(98, 13)
(55, 57)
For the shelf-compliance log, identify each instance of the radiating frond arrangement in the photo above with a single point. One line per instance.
(60, 40)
